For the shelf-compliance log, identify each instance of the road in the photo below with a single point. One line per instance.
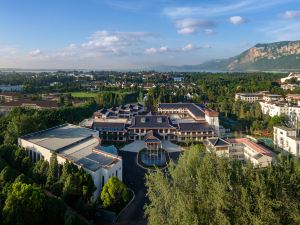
(134, 178)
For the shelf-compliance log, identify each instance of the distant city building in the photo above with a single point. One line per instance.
(280, 109)
(8, 106)
(178, 79)
(240, 149)
(11, 88)
(293, 99)
(291, 76)
(259, 96)
(10, 97)
(289, 86)
(78, 145)
(287, 139)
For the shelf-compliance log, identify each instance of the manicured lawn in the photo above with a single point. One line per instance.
(83, 94)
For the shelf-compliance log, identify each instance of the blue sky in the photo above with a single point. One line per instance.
(133, 34)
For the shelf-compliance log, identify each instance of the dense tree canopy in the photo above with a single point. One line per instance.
(205, 189)
(114, 193)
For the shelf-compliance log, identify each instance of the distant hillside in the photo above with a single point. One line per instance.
(262, 57)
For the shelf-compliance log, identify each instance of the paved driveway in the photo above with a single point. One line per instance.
(136, 146)
(134, 178)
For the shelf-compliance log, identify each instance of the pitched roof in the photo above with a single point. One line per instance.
(151, 121)
(152, 137)
(193, 108)
(218, 142)
(194, 127)
(256, 147)
(102, 125)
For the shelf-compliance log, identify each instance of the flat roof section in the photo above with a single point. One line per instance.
(59, 137)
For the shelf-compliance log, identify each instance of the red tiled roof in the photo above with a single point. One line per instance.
(258, 148)
(211, 113)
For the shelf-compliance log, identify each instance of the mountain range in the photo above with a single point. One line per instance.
(277, 56)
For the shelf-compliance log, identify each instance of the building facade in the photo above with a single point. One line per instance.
(179, 122)
(78, 145)
(240, 149)
(258, 96)
(26, 103)
(280, 109)
(287, 140)
(10, 97)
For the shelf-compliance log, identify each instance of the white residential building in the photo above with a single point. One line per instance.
(240, 149)
(293, 99)
(279, 109)
(78, 145)
(290, 76)
(289, 86)
(258, 96)
(287, 139)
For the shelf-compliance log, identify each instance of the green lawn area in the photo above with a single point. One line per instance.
(92, 94)
(83, 94)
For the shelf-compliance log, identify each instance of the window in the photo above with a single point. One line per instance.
(116, 173)
(102, 181)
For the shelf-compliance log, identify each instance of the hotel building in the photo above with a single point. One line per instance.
(78, 145)
(240, 149)
(179, 122)
(287, 140)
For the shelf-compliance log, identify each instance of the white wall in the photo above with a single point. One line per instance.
(97, 175)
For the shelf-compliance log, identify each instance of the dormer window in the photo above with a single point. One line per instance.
(143, 120)
(159, 119)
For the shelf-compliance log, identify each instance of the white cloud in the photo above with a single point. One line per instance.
(114, 42)
(188, 47)
(6, 51)
(192, 26)
(162, 49)
(151, 50)
(291, 14)
(221, 9)
(281, 30)
(35, 52)
(236, 20)
(209, 31)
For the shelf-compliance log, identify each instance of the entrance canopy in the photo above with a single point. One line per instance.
(152, 137)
